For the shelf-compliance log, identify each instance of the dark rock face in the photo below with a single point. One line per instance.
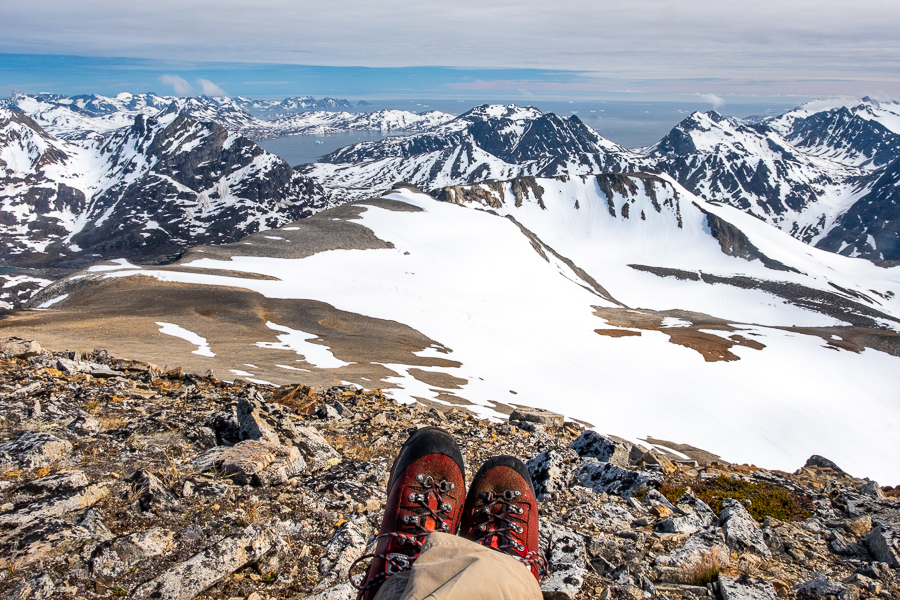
(871, 227)
(164, 185)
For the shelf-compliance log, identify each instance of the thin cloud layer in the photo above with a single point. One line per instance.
(768, 41)
(179, 84)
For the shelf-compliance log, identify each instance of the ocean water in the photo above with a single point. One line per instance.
(629, 123)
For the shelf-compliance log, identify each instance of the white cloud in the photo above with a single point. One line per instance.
(182, 87)
(713, 99)
(210, 89)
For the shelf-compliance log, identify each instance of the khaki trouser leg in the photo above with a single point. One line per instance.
(452, 568)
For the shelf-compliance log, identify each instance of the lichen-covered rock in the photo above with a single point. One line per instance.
(537, 415)
(345, 546)
(745, 588)
(742, 532)
(608, 478)
(84, 424)
(56, 484)
(255, 423)
(113, 558)
(591, 444)
(566, 561)
(253, 463)
(34, 449)
(316, 450)
(822, 587)
(696, 515)
(51, 507)
(15, 347)
(551, 471)
(187, 579)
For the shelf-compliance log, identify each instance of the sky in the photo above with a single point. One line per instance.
(465, 48)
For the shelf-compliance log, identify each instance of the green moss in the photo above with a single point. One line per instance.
(766, 500)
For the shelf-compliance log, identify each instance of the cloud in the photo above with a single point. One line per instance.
(210, 89)
(182, 87)
(716, 101)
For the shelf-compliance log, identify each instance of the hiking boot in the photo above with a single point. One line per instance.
(501, 512)
(424, 494)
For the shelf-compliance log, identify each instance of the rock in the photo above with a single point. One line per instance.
(742, 532)
(820, 461)
(15, 347)
(274, 559)
(860, 526)
(95, 369)
(591, 444)
(657, 459)
(872, 490)
(34, 449)
(698, 516)
(608, 478)
(865, 584)
(537, 415)
(53, 507)
(56, 484)
(255, 423)
(38, 587)
(84, 424)
(345, 546)
(822, 587)
(551, 471)
(745, 588)
(253, 463)
(341, 591)
(93, 523)
(150, 493)
(702, 550)
(327, 412)
(884, 544)
(315, 449)
(185, 580)
(115, 557)
(566, 558)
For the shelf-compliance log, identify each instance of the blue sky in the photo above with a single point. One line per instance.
(464, 49)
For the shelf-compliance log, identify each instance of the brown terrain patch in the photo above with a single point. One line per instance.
(617, 333)
(701, 456)
(120, 314)
(441, 380)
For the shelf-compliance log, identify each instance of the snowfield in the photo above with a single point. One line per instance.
(522, 325)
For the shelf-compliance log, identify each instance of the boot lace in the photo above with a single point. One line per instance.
(502, 521)
(417, 501)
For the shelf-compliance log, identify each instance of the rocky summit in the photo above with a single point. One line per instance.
(120, 478)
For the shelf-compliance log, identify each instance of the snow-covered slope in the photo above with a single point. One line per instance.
(321, 122)
(549, 292)
(146, 191)
(490, 142)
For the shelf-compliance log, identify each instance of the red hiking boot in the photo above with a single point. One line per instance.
(501, 512)
(424, 494)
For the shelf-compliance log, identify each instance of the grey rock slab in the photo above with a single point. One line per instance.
(115, 557)
(34, 449)
(608, 478)
(36, 588)
(186, 580)
(345, 546)
(537, 415)
(253, 462)
(697, 515)
(884, 544)
(255, 422)
(84, 425)
(551, 471)
(95, 369)
(54, 507)
(57, 483)
(591, 444)
(315, 448)
(746, 588)
(341, 591)
(822, 587)
(567, 563)
(742, 532)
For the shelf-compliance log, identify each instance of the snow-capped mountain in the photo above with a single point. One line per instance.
(488, 143)
(88, 117)
(147, 191)
(620, 299)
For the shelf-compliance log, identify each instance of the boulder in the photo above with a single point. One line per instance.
(317, 452)
(742, 532)
(70, 367)
(254, 463)
(591, 444)
(34, 449)
(52, 507)
(116, 556)
(537, 415)
(820, 461)
(149, 493)
(567, 562)
(84, 424)
(604, 477)
(746, 588)
(551, 471)
(255, 422)
(56, 484)
(822, 587)
(884, 544)
(16, 347)
(186, 580)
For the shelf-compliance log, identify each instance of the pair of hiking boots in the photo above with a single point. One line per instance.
(425, 494)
